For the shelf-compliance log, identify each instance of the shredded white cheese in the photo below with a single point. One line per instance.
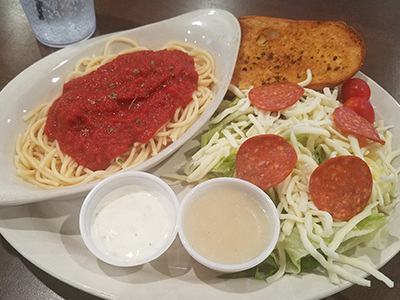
(311, 116)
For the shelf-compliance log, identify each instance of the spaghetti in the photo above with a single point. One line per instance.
(39, 159)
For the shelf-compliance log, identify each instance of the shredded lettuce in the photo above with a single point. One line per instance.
(262, 271)
(226, 167)
(295, 252)
(370, 231)
(206, 137)
(308, 126)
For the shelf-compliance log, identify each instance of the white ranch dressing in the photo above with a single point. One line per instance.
(131, 223)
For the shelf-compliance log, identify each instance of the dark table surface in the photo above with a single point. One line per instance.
(378, 22)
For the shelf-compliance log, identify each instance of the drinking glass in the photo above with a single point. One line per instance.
(58, 23)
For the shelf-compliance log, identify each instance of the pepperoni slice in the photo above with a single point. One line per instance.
(341, 186)
(265, 160)
(349, 121)
(275, 96)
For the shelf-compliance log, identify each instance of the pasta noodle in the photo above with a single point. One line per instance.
(39, 159)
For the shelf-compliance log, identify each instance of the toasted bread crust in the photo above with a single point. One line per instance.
(274, 50)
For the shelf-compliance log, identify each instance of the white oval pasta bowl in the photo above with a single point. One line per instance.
(216, 31)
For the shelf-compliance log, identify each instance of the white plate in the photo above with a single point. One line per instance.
(216, 31)
(47, 234)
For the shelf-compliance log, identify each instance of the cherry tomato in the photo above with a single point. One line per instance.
(362, 107)
(355, 87)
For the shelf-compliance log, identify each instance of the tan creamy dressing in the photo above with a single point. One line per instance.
(131, 224)
(226, 226)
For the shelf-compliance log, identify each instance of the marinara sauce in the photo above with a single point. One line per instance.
(100, 115)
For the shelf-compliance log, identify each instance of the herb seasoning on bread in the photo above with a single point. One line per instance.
(279, 50)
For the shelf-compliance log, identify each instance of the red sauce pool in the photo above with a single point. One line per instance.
(100, 115)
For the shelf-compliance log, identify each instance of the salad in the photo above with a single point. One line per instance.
(310, 238)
